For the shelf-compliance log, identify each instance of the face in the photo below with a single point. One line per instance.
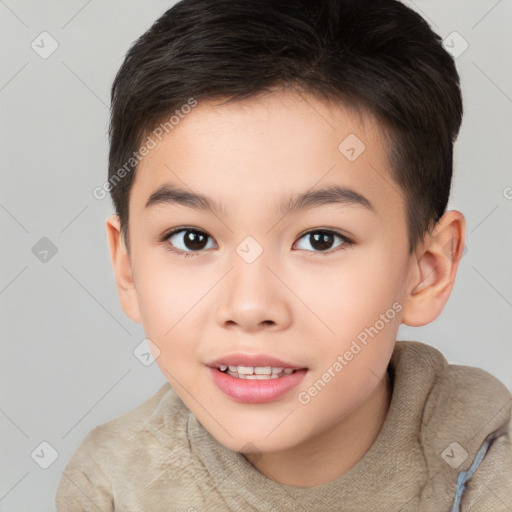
(250, 271)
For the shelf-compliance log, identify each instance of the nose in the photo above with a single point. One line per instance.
(253, 298)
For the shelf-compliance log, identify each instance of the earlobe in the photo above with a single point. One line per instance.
(121, 265)
(433, 270)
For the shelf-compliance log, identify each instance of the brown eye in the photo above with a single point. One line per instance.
(188, 240)
(322, 240)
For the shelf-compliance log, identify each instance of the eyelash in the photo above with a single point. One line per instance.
(165, 238)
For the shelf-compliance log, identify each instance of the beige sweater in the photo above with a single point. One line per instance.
(158, 457)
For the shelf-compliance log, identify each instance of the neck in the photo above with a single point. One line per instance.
(332, 453)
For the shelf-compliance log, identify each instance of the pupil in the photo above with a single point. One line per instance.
(195, 240)
(322, 240)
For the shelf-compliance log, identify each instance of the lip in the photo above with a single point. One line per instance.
(241, 359)
(256, 391)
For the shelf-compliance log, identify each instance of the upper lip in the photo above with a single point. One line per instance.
(253, 360)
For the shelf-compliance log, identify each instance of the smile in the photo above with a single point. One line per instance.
(256, 372)
(248, 385)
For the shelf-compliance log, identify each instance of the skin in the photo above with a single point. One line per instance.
(295, 301)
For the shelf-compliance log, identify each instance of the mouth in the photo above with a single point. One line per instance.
(257, 372)
(255, 379)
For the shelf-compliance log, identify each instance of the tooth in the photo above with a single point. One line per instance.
(257, 373)
(262, 370)
(223, 367)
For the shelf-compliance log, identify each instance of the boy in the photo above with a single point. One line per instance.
(280, 172)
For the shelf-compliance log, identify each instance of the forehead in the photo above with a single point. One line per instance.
(268, 146)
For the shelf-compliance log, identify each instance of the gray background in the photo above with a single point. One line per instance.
(67, 348)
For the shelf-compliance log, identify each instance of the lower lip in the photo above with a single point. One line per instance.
(252, 391)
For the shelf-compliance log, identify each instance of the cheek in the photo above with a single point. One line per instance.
(360, 306)
(360, 303)
(166, 300)
(352, 296)
(166, 291)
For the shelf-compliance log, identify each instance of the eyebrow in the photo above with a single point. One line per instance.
(334, 194)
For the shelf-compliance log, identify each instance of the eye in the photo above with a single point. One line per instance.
(191, 241)
(187, 241)
(322, 240)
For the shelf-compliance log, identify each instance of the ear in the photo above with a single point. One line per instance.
(433, 270)
(121, 264)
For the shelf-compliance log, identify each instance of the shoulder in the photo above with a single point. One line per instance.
(464, 409)
(468, 400)
(122, 456)
(460, 419)
(467, 432)
(143, 432)
(453, 395)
